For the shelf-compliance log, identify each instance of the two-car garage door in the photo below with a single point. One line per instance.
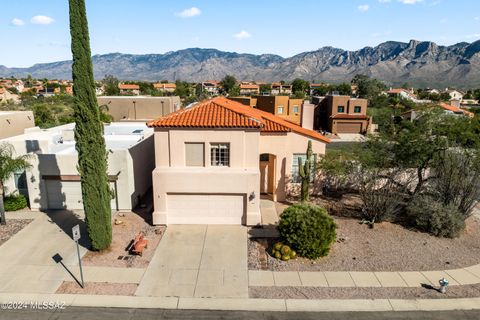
(205, 209)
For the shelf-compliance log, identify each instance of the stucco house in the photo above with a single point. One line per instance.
(213, 160)
(53, 181)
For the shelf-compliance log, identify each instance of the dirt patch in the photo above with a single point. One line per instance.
(362, 293)
(98, 288)
(386, 247)
(11, 228)
(123, 234)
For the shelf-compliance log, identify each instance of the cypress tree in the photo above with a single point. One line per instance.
(90, 143)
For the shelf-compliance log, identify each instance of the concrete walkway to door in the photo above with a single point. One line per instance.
(199, 261)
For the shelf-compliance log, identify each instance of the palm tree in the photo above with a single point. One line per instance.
(8, 166)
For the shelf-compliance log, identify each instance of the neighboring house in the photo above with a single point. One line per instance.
(127, 108)
(214, 160)
(248, 101)
(13, 123)
(212, 88)
(448, 109)
(165, 87)
(341, 114)
(249, 89)
(6, 96)
(53, 181)
(456, 110)
(405, 94)
(455, 94)
(433, 91)
(132, 89)
(282, 106)
(277, 88)
(47, 92)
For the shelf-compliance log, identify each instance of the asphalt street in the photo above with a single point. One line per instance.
(87, 313)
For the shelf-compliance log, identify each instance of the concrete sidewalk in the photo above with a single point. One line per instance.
(463, 276)
(27, 263)
(245, 304)
(199, 261)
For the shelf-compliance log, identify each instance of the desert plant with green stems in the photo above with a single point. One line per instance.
(9, 164)
(90, 143)
(305, 173)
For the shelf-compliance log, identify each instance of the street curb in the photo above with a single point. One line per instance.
(234, 304)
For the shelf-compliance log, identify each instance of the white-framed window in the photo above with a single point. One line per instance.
(280, 110)
(220, 154)
(194, 154)
(295, 172)
(295, 109)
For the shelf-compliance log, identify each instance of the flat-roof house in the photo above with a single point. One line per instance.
(132, 89)
(249, 89)
(13, 123)
(214, 159)
(165, 87)
(282, 106)
(279, 88)
(341, 114)
(53, 181)
(211, 87)
(128, 108)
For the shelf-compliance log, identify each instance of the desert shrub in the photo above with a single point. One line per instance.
(308, 229)
(430, 215)
(15, 202)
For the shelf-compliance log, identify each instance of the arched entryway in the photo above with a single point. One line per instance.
(268, 163)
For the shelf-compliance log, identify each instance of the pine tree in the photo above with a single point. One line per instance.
(90, 144)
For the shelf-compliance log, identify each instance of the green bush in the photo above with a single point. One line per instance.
(308, 229)
(14, 203)
(432, 216)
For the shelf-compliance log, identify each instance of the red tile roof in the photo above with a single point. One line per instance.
(456, 109)
(129, 86)
(249, 86)
(224, 113)
(164, 85)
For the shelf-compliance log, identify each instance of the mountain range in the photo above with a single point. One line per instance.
(419, 63)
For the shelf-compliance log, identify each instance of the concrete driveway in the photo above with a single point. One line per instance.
(26, 259)
(199, 261)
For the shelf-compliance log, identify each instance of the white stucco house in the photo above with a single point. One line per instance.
(213, 160)
(53, 181)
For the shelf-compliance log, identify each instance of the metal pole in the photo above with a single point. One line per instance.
(80, 264)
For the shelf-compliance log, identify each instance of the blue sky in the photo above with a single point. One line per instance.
(38, 31)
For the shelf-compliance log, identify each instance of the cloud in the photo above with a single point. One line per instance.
(410, 1)
(476, 18)
(17, 22)
(473, 36)
(363, 7)
(42, 20)
(188, 13)
(384, 1)
(242, 35)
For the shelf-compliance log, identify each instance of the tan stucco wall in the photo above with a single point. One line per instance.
(173, 176)
(13, 123)
(284, 146)
(144, 108)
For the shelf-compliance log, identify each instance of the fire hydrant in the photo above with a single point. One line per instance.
(443, 285)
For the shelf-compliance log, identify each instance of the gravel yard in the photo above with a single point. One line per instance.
(386, 247)
(362, 293)
(117, 255)
(99, 288)
(11, 228)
